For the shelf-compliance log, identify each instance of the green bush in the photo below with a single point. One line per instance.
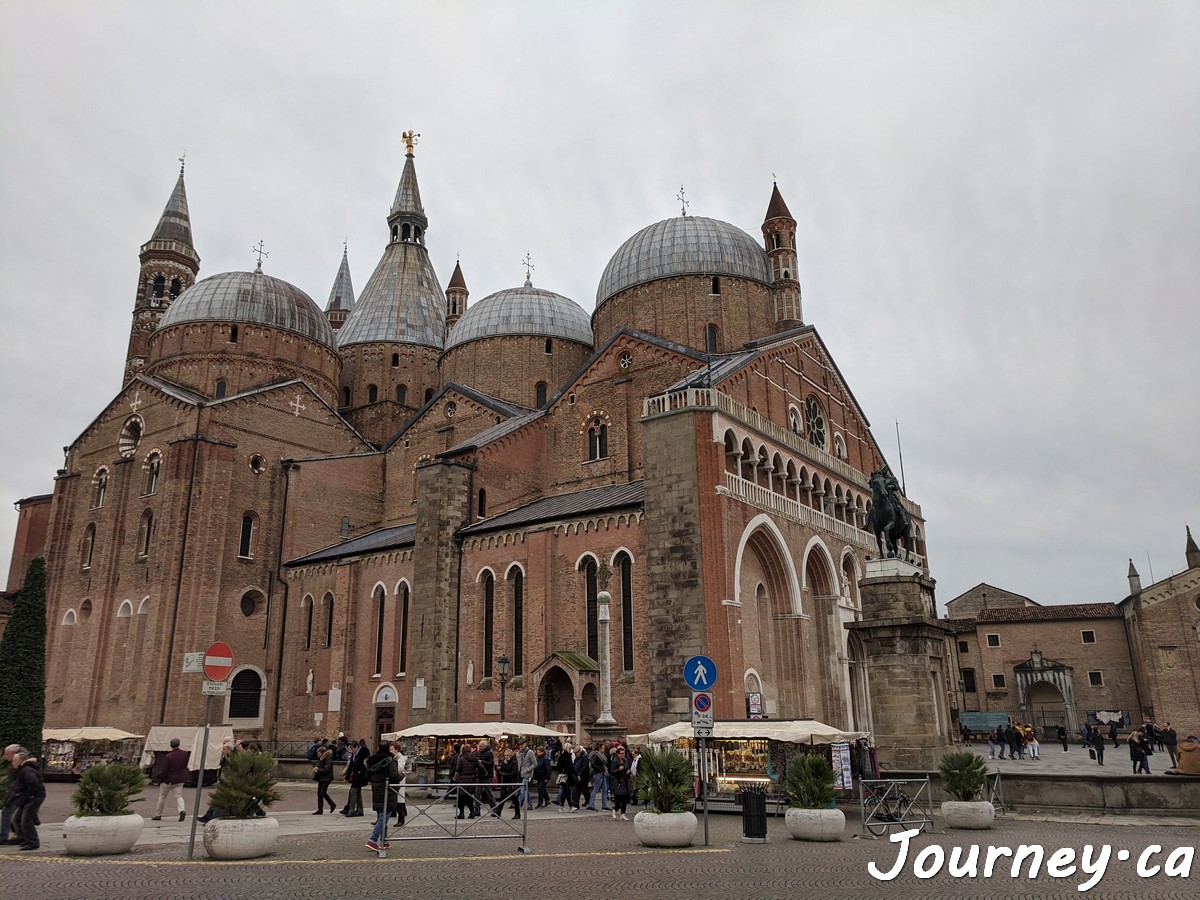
(809, 783)
(665, 779)
(963, 775)
(247, 785)
(106, 790)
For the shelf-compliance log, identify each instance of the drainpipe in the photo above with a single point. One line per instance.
(288, 466)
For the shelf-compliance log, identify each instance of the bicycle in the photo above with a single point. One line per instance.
(883, 810)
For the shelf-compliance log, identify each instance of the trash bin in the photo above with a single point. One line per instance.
(754, 816)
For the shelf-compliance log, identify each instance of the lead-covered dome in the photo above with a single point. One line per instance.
(250, 298)
(523, 310)
(685, 245)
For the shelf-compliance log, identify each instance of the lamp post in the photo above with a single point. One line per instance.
(502, 670)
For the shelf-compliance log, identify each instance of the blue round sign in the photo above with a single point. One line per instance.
(700, 673)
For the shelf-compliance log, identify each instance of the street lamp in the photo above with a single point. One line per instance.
(502, 668)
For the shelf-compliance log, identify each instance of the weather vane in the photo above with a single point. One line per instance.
(527, 262)
(411, 138)
(182, 160)
(684, 204)
(258, 248)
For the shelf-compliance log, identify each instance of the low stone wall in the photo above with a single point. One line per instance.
(1166, 795)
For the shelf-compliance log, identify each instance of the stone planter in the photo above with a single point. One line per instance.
(98, 835)
(969, 814)
(815, 824)
(654, 829)
(240, 838)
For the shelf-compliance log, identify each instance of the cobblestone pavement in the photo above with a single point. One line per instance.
(586, 855)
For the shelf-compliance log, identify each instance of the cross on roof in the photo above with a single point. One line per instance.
(136, 401)
(684, 204)
(527, 262)
(182, 160)
(258, 248)
(297, 405)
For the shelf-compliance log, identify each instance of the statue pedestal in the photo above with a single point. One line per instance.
(598, 732)
(905, 658)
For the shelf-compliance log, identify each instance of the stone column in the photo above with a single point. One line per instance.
(603, 599)
(905, 664)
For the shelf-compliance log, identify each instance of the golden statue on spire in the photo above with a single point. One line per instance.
(410, 140)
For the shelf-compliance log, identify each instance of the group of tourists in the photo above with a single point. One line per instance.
(607, 771)
(1017, 739)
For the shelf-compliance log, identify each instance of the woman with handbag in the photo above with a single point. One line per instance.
(323, 776)
(564, 776)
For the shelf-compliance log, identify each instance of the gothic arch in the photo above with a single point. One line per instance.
(763, 522)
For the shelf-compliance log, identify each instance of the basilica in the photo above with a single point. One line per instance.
(415, 506)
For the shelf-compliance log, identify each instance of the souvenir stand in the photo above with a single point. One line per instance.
(754, 754)
(431, 745)
(68, 752)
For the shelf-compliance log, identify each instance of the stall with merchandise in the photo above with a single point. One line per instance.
(431, 746)
(68, 752)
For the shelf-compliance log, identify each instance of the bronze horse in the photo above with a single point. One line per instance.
(888, 519)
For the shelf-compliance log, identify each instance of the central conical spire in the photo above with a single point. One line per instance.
(407, 208)
(175, 224)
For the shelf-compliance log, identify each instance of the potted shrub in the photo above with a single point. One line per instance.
(103, 820)
(665, 780)
(809, 789)
(242, 829)
(964, 775)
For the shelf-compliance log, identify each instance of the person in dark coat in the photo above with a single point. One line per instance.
(323, 774)
(466, 774)
(1137, 754)
(487, 771)
(30, 792)
(619, 780)
(564, 774)
(356, 776)
(541, 777)
(583, 777)
(6, 818)
(174, 773)
(509, 779)
(383, 772)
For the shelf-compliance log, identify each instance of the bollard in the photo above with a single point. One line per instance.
(754, 816)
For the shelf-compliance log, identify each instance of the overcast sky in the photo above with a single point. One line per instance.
(998, 210)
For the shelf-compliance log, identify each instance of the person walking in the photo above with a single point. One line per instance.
(541, 777)
(487, 774)
(1098, 747)
(356, 775)
(466, 774)
(598, 769)
(1137, 754)
(526, 765)
(1062, 738)
(564, 769)
(1112, 733)
(583, 777)
(30, 792)
(1170, 740)
(619, 779)
(508, 776)
(10, 796)
(170, 780)
(1031, 743)
(323, 775)
(383, 772)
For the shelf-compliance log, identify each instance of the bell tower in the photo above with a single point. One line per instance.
(779, 237)
(456, 297)
(169, 264)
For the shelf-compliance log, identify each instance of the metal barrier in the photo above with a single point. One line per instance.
(443, 809)
(994, 796)
(900, 803)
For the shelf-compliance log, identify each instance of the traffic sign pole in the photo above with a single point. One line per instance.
(200, 777)
(218, 663)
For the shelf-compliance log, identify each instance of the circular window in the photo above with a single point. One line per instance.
(1198, 603)
(253, 604)
(258, 464)
(626, 360)
(131, 436)
(815, 420)
(451, 409)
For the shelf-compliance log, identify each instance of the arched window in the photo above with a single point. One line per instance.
(489, 612)
(222, 389)
(588, 567)
(380, 609)
(549, 346)
(517, 589)
(345, 397)
(625, 568)
(125, 610)
(401, 394)
(69, 618)
(716, 284)
(233, 334)
(482, 506)
(814, 420)
(175, 288)
(428, 394)
(89, 545)
(145, 532)
(246, 541)
(160, 284)
(345, 529)
(245, 695)
(372, 393)
(405, 231)
(795, 423)
(99, 487)
(540, 390)
(153, 467)
(710, 338)
(403, 629)
(308, 622)
(597, 439)
(395, 360)
(329, 620)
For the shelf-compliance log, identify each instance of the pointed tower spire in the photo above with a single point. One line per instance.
(456, 296)
(1193, 552)
(341, 295)
(169, 265)
(1135, 580)
(779, 236)
(407, 216)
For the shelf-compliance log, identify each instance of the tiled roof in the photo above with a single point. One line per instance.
(523, 310)
(341, 295)
(777, 209)
(1050, 613)
(563, 506)
(383, 539)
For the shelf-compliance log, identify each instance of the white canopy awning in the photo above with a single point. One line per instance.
(87, 734)
(476, 729)
(190, 739)
(802, 731)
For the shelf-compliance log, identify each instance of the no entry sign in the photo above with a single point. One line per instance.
(218, 662)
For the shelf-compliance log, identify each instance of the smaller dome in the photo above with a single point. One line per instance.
(251, 298)
(523, 310)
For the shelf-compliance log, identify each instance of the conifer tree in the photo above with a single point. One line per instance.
(23, 665)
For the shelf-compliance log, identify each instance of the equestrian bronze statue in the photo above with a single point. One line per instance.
(888, 519)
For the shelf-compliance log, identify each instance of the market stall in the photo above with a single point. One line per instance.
(431, 745)
(191, 737)
(754, 754)
(68, 752)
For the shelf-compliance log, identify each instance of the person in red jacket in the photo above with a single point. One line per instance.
(174, 773)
